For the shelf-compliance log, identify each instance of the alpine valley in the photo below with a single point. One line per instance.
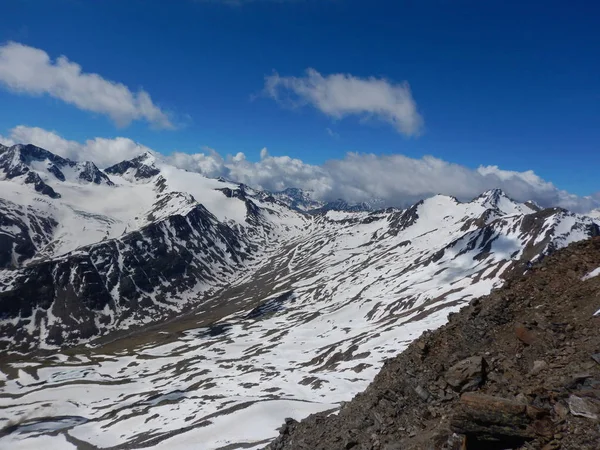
(147, 306)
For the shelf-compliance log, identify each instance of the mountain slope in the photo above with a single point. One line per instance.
(464, 378)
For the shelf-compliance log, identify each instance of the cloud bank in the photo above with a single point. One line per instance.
(29, 70)
(340, 95)
(396, 179)
(103, 152)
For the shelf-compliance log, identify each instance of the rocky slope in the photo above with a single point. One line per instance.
(519, 368)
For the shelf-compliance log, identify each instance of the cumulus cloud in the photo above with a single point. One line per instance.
(29, 70)
(397, 180)
(339, 95)
(103, 152)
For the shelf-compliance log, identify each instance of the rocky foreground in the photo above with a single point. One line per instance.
(518, 369)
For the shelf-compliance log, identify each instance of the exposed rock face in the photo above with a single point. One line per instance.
(117, 280)
(557, 405)
(489, 419)
(29, 232)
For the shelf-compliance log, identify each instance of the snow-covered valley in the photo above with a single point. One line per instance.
(169, 310)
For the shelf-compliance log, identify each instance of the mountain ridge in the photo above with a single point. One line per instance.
(252, 220)
(212, 303)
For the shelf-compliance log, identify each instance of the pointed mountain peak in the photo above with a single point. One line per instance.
(493, 196)
(138, 168)
(26, 153)
(147, 158)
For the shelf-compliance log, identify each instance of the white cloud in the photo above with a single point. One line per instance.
(332, 133)
(29, 70)
(340, 95)
(396, 179)
(104, 152)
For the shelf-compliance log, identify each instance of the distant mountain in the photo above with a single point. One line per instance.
(296, 198)
(301, 200)
(594, 213)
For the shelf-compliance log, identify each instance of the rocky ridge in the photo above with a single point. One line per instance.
(519, 368)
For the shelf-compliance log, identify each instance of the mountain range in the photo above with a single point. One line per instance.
(213, 303)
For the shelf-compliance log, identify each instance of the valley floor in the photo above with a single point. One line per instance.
(225, 375)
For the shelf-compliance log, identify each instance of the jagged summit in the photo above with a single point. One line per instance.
(497, 200)
(141, 167)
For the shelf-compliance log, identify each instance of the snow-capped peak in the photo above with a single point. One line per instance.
(497, 200)
(140, 168)
(492, 197)
(37, 166)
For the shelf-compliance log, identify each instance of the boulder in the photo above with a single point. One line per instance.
(468, 374)
(495, 419)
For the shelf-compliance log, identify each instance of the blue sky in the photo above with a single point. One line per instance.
(507, 83)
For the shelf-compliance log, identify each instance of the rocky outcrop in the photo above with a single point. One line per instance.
(515, 369)
(24, 232)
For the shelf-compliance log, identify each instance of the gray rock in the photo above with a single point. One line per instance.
(582, 407)
(561, 410)
(538, 366)
(422, 392)
(522, 398)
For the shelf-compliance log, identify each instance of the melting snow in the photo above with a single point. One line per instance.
(309, 322)
(592, 274)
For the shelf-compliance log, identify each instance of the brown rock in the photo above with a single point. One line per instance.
(524, 335)
(521, 398)
(490, 418)
(535, 413)
(561, 410)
